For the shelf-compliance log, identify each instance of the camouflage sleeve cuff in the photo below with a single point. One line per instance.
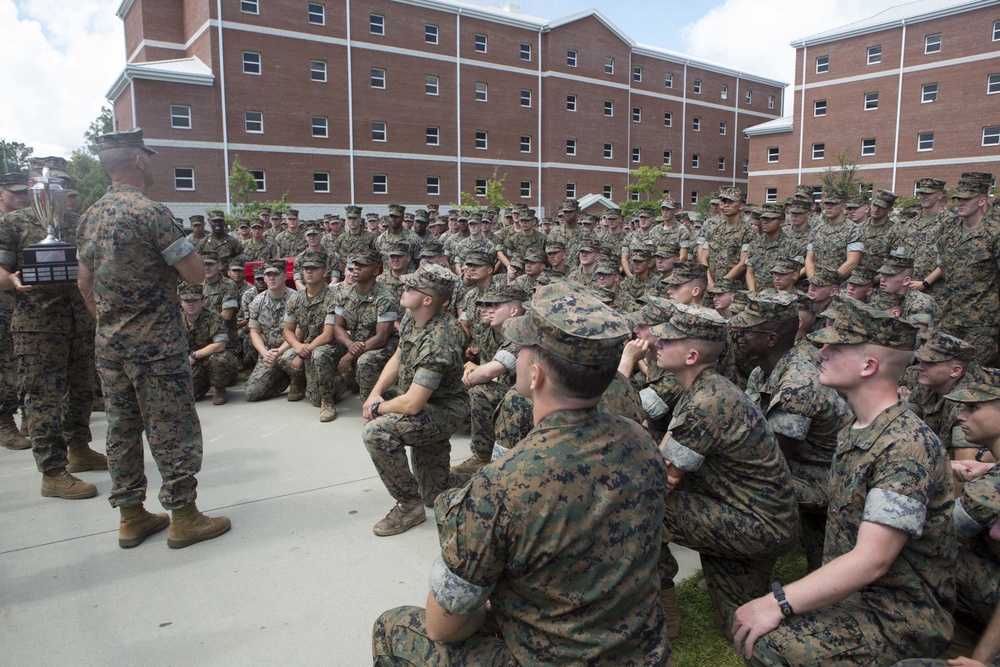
(856, 247)
(297, 276)
(685, 244)
(508, 360)
(625, 250)
(958, 440)
(654, 406)
(390, 316)
(795, 427)
(290, 319)
(700, 240)
(220, 338)
(177, 251)
(232, 303)
(330, 319)
(454, 594)
(965, 526)
(338, 310)
(745, 247)
(896, 511)
(464, 317)
(254, 324)
(8, 258)
(426, 378)
(682, 457)
(809, 247)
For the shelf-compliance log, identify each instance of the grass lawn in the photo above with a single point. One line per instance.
(700, 644)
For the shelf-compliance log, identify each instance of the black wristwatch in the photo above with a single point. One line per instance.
(375, 408)
(983, 451)
(925, 283)
(779, 595)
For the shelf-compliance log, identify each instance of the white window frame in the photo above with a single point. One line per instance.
(668, 80)
(722, 163)
(822, 64)
(871, 101)
(317, 71)
(432, 85)
(609, 150)
(571, 103)
(696, 123)
(432, 34)
(748, 97)
(525, 143)
(770, 195)
(259, 177)
(480, 187)
(868, 147)
(996, 31)
(608, 191)
(433, 186)
(314, 126)
(667, 158)
(482, 92)
(724, 92)
(633, 196)
(525, 50)
(571, 147)
(249, 121)
(182, 113)
(571, 190)
(818, 151)
(316, 10)
(432, 135)
(694, 197)
(723, 127)
(609, 108)
(480, 43)
(525, 189)
(773, 154)
(636, 154)
(696, 160)
(380, 184)
(183, 177)
(817, 107)
(770, 101)
(250, 7)
(376, 24)
(993, 84)
(925, 139)
(874, 54)
(637, 73)
(378, 74)
(991, 135)
(927, 94)
(746, 166)
(249, 61)
(636, 114)
(526, 98)
(696, 87)
(571, 57)
(380, 129)
(668, 119)
(321, 185)
(609, 65)
(482, 137)
(932, 44)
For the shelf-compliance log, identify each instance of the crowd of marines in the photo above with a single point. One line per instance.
(799, 374)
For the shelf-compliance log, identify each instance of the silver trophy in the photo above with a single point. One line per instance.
(48, 201)
(50, 261)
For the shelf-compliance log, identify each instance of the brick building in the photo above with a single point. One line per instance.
(911, 92)
(413, 101)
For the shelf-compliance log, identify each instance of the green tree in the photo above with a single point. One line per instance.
(701, 208)
(91, 181)
(493, 195)
(15, 156)
(845, 176)
(643, 181)
(103, 124)
(242, 187)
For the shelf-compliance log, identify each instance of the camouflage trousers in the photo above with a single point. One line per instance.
(9, 394)
(320, 371)
(265, 383)
(218, 371)
(514, 419)
(977, 585)
(369, 366)
(812, 494)
(737, 550)
(250, 355)
(484, 400)
(399, 639)
(58, 385)
(156, 397)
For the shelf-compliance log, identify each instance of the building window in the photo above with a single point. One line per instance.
(481, 139)
(430, 83)
(609, 108)
(253, 122)
(668, 80)
(772, 154)
(433, 186)
(376, 24)
(666, 192)
(571, 147)
(746, 166)
(378, 78)
(525, 51)
(525, 97)
(636, 154)
(993, 84)
(571, 58)
(932, 44)
(480, 44)
(996, 31)
(668, 119)
(695, 160)
(260, 179)
(380, 184)
(819, 151)
(571, 103)
(378, 130)
(871, 101)
(249, 6)
(771, 195)
(608, 190)
(633, 196)
(822, 64)
(636, 114)
(525, 143)
(867, 147)
(525, 189)
(432, 136)
(251, 62)
(724, 92)
(748, 98)
(609, 151)
(180, 117)
(819, 108)
(609, 65)
(722, 163)
(320, 127)
(571, 190)
(480, 187)
(431, 34)
(481, 92)
(925, 141)
(697, 86)
(928, 93)
(317, 70)
(722, 127)
(637, 74)
(770, 101)
(666, 158)
(874, 54)
(321, 181)
(696, 123)
(694, 197)
(991, 135)
(183, 178)
(317, 16)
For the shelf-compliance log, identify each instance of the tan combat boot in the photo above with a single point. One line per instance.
(298, 390)
(668, 597)
(10, 437)
(470, 466)
(60, 484)
(84, 458)
(401, 518)
(137, 524)
(220, 397)
(189, 526)
(327, 410)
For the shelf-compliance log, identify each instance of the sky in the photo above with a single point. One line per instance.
(61, 57)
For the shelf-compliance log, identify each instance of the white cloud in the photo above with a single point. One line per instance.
(59, 59)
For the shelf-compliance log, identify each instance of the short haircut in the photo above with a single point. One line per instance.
(575, 380)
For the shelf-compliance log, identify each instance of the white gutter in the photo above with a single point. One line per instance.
(350, 105)
(802, 112)
(684, 130)
(736, 128)
(131, 85)
(538, 146)
(225, 126)
(628, 119)
(458, 104)
(899, 106)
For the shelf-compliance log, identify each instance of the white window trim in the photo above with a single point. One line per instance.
(187, 116)
(384, 131)
(919, 141)
(996, 133)
(384, 77)
(521, 52)
(988, 82)
(436, 33)
(191, 169)
(939, 43)
(572, 57)
(636, 154)
(436, 185)
(485, 42)
(385, 184)
(437, 135)
(256, 5)
(521, 143)
(571, 147)
(522, 189)
(873, 147)
(259, 63)
(609, 108)
(485, 92)
(609, 151)
(865, 107)
(825, 65)
(776, 154)
(322, 14)
(437, 85)
(815, 109)
(667, 158)
(372, 23)
(262, 185)
(312, 70)
(313, 126)
(247, 122)
(813, 151)
(870, 53)
(696, 160)
(315, 182)
(486, 140)
(923, 94)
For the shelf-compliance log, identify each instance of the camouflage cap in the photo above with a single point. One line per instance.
(669, 203)
(803, 302)
(431, 249)
(431, 276)
(14, 181)
(433, 208)
(589, 243)
(452, 212)
(714, 198)
(570, 205)
(825, 276)
(973, 184)
(978, 385)
(502, 293)
(785, 265)
(475, 218)
(275, 215)
(274, 266)
(884, 199)
(835, 308)
(834, 196)
(313, 227)
(312, 259)
(517, 263)
(926, 186)
(897, 262)
(773, 210)
(857, 201)
(570, 324)
(189, 292)
(256, 223)
(408, 217)
(216, 214)
(209, 256)
(886, 300)
(366, 257)
(554, 246)
(723, 285)
(939, 346)
(237, 263)
(666, 250)
(264, 211)
(800, 206)
(640, 252)
(420, 215)
(57, 167)
(396, 209)
(604, 295)
(691, 321)
(612, 213)
(438, 221)
(859, 323)
(533, 255)
(685, 272)
(398, 249)
(243, 224)
(862, 276)
(656, 310)
(753, 210)
(463, 215)
(126, 139)
(197, 219)
(732, 194)
(767, 306)
(646, 212)
(292, 213)
(607, 267)
(481, 255)
(352, 212)
(371, 216)
(806, 192)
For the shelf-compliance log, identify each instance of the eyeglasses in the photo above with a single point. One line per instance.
(408, 288)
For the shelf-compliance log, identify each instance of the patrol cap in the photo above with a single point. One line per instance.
(685, 272)
(517, 263)
(210, 256)
(978, 385)
(452, 212)
(857, 201)
(669, 203)
(897, 262)
(646, 212)
(312, 260)
(366, 257)
(824, 276)
(805, 192)
(264, 210)
(275, 215)
(437, 221)
(502, 293)
(799, 206)
(57, 166)
(475, 218)
(788, 264)
(480, 256)
(244, 224)
(926, 186)
(398, 249)
(772, 210)
(803, 302)
(612, 213)
(862, 276)
(371, 216)
(197, 219)
(570, 324)
(939, 346)
(767, 306)
(607, 267)
(605, 296)
(656, 310)
(463, 215)
(126, 139)
(533, 255)
(886, 300)
(834, 196)
(14, 181)
(972, 184)
(554, 246)
(216, 215)
(732, 194)
(433, 208)
(257, 223)
(274, 266)
(238, 262)
(569, 205)
(312, 227)
(408, 216)
(666, 250)
(835, 308)
(691, 321)
(431, 276)
(352, 212)
(640, 252)
(723, 285)
(431, 249)
(755, 211)
(589, 243)
(189, 292)
(884, 199)
(420, 215)
(860, 323)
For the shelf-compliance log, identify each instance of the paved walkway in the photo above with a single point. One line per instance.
(298, 580)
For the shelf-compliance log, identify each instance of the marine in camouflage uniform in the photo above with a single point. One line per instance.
(832, 241)
(589, 246)
(674, 235)
(920, 234)
(356, 238)
(614, 237)
(291, 241)
(219, 241)
(266, 315)
(727, 243)
(259, 251)
(636, 285)
(570, 233)
(198, 225)
(271, 235)
(15, 187)
(397, 234)
(881, 237)
(221, 295)
(929, 402)
(218, 370)
(519, 243)
(535, 534)
(765, 252)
